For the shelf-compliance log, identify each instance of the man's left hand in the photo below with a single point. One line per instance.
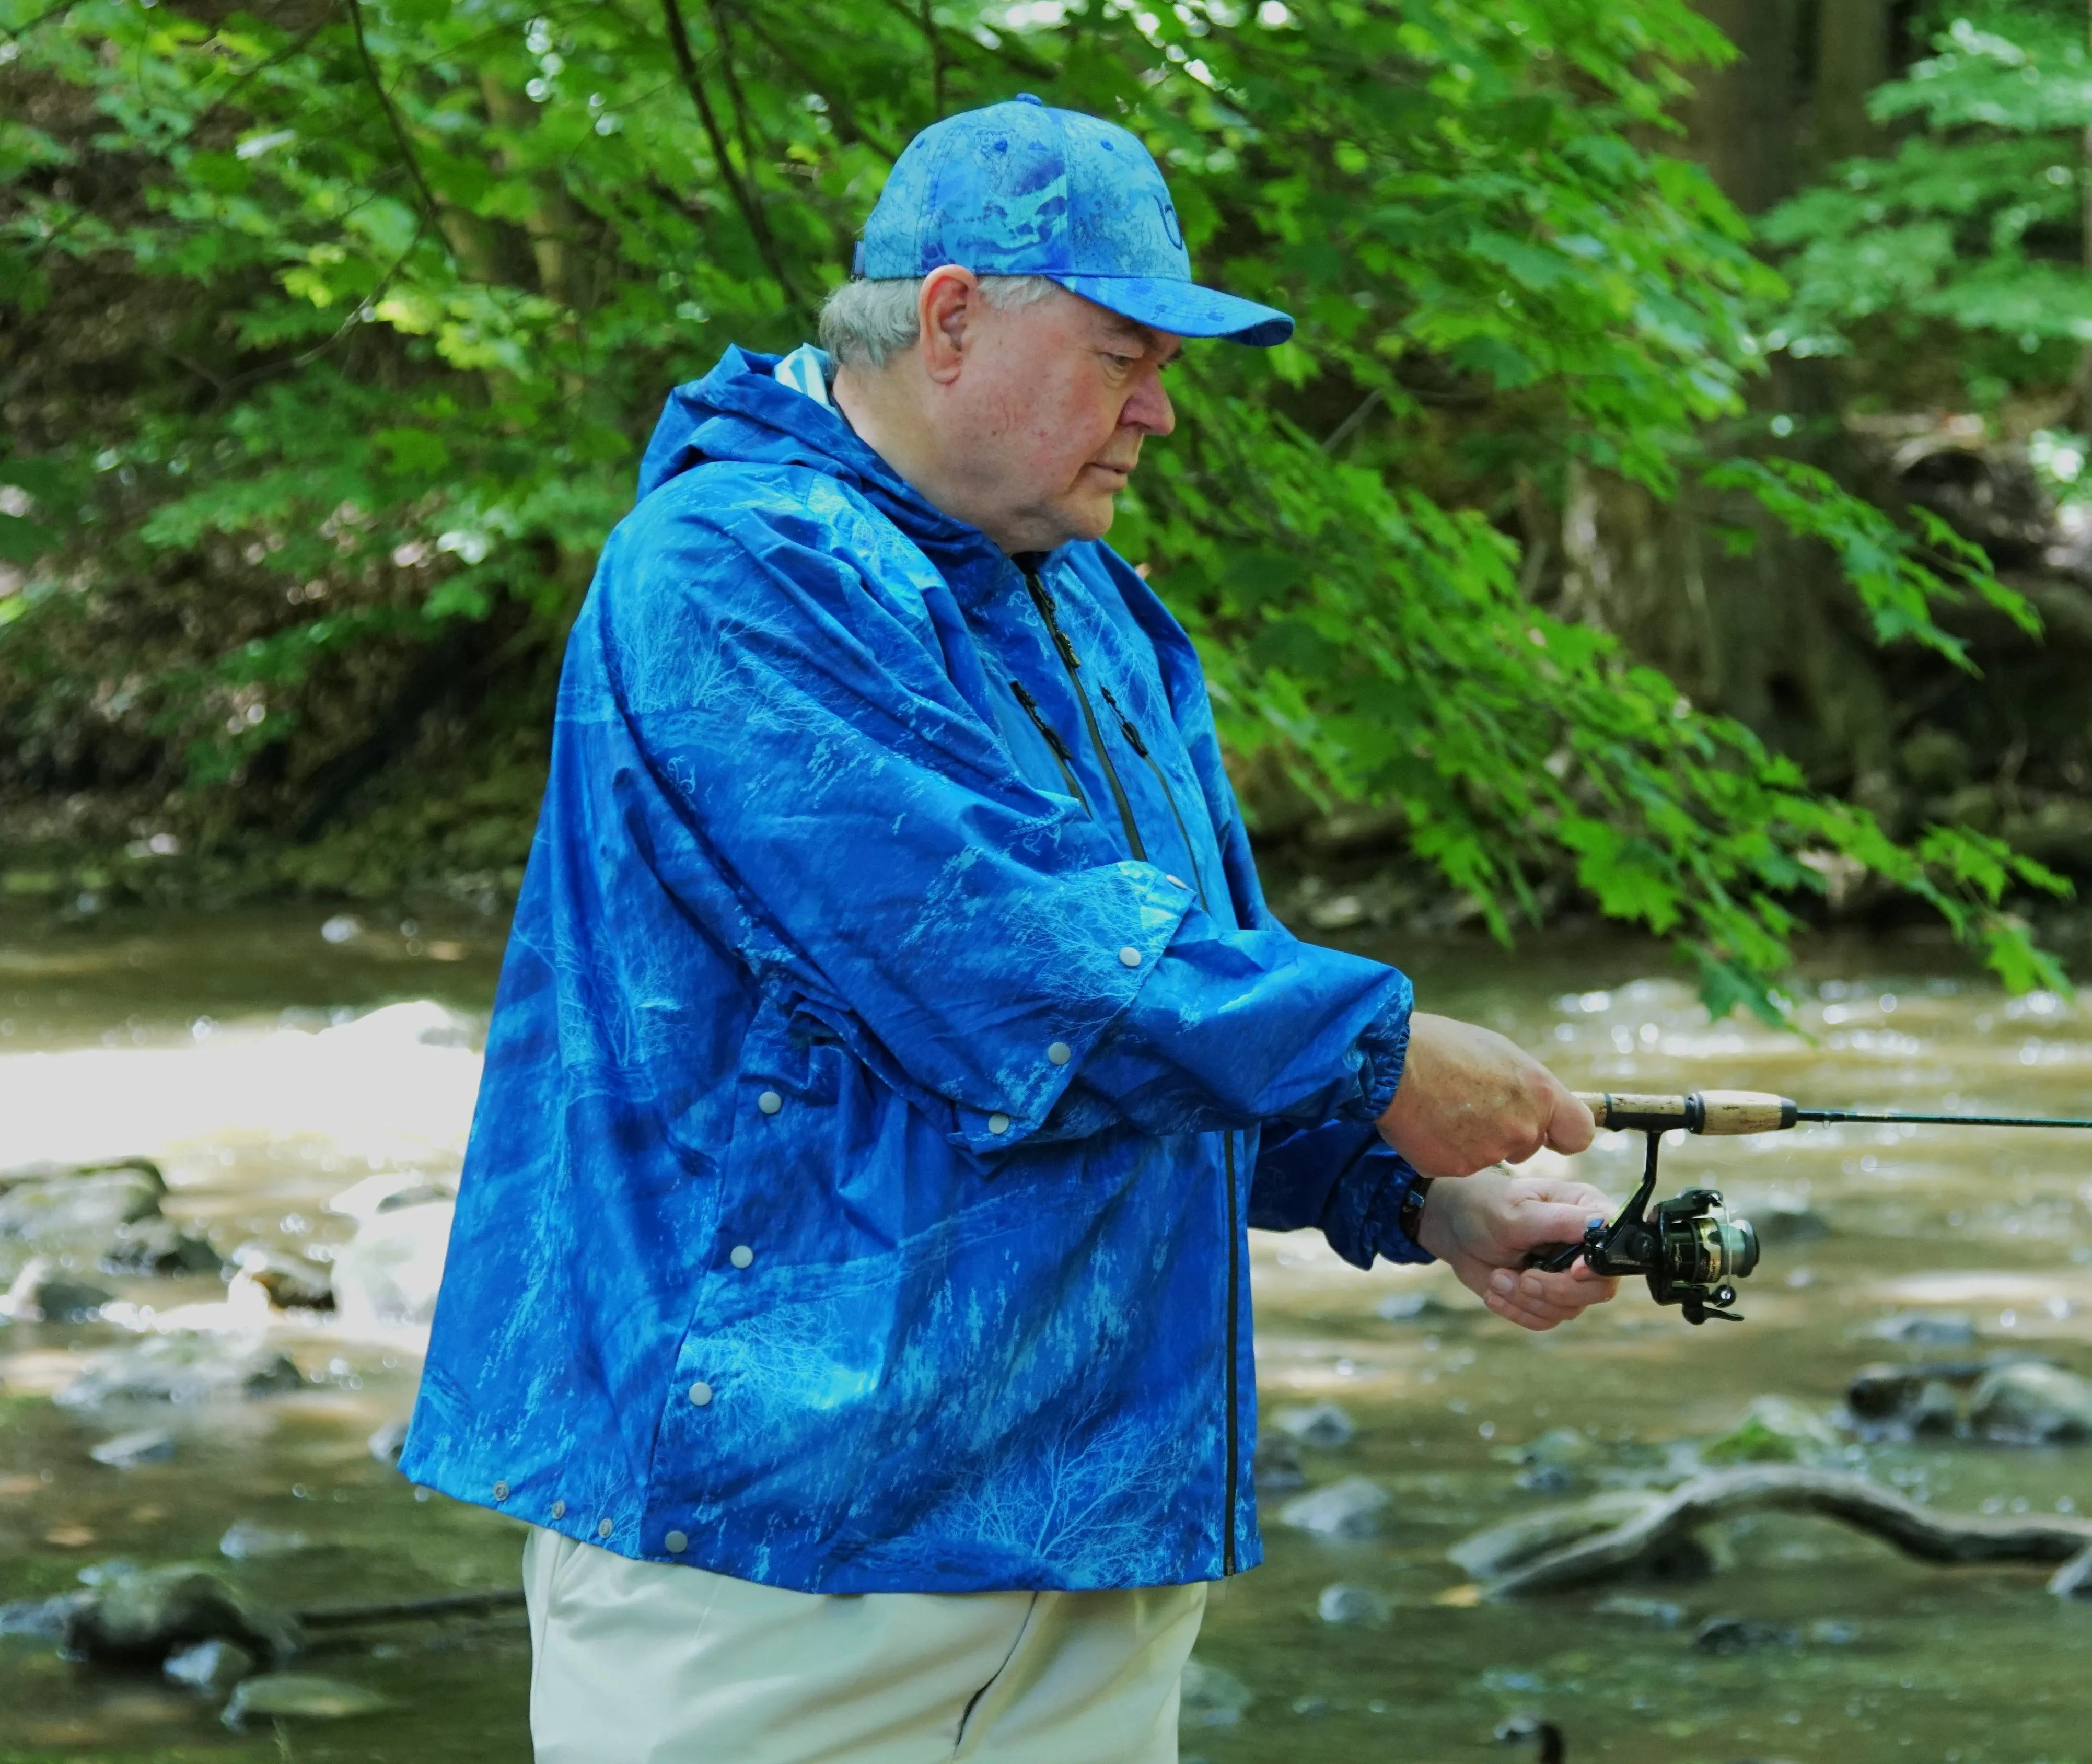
(1484, 1226)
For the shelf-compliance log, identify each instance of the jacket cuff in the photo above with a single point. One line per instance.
(1383, 1049)
(1384, 1233)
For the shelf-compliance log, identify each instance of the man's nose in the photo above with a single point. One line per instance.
(1148, 410)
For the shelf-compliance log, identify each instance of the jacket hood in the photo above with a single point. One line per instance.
(741, 413)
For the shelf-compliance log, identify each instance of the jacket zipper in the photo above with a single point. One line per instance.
(1042, 600)
(1069, 660)
(1233, 1396)
(1054, 741)
(1133, 740)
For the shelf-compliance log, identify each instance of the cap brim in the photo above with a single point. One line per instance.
(1183, 308)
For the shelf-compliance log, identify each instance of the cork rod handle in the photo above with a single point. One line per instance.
(1721, 1111)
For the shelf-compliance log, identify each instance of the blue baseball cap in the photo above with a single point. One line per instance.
(1022, 189)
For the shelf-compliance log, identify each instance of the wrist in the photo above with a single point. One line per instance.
(1409, 1219)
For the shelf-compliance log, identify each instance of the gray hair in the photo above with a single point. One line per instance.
(864, 322)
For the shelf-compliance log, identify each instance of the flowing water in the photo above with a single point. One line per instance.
(242, 1054)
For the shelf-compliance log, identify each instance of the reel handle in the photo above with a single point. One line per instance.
(1717, 1112)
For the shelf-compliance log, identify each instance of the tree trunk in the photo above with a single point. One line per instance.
(1853, 43)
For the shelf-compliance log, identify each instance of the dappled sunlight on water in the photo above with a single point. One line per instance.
(255, 1060)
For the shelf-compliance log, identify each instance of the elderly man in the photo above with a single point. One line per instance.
(848, 1280)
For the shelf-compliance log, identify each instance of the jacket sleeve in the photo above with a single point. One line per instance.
(1341, 1178)
(797, 767)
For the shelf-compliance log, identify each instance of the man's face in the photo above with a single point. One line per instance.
(1042, 423)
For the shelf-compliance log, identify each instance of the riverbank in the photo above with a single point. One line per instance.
(299, 1079)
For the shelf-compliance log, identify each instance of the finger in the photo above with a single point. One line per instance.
(1570, 1127)
(1526, 1318)
(1551, 1222)
(1553, 1297)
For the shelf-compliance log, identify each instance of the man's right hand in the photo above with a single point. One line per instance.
(1468, 1099)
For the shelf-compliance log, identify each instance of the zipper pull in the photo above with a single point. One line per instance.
(1061, 751)
(1050, 613)
(1125, 723)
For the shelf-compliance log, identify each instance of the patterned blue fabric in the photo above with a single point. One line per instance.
(857, 1187)
(1020, 189)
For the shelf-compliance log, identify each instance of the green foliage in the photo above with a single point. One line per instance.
(1972, 228)
(419, 273)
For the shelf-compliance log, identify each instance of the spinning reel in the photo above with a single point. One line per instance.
(1690, 1250)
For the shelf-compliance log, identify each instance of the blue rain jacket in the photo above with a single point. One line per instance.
(892, 1047)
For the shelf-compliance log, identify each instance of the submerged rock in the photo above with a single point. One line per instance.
(1636, 1607)
(44, 1292)
(1776, 1429)
(186, 1367)
(1322, 1425)
(1344, 1603)
(212, 1667)
(1912, 1397)
(1275, 1469)
(1211, 1696)
(1349, 1508)
(66, 1211)
(292, 1283)
(244, 1540)
(1928, 1329)
(389, 1271)
(45, 1619)
(127, 1452)
(2028, 1402)
(1738, 1635)
(158, 1246)
(300, 1695)
(139, 1616)
(1551, 1463)
(1498, 1548)
(389, 1441)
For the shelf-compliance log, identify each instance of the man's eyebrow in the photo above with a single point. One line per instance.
(1132, 331)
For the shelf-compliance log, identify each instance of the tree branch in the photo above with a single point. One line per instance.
(745, 197)
(430, 206)
(1837, 1494)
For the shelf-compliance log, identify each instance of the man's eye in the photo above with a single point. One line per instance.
(1124, 363)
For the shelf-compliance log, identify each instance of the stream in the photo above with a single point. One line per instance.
(299, 1079)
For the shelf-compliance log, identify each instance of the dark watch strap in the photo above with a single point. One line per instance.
(1410, 1218)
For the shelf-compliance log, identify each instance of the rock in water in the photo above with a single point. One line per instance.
(389, 1441)
(1322, 1425)
(1211, 1696)
(244, 1540)
(1343, 1603)
(45, 1619)
(44, 1293)
(389, 1271)
(1776, 1429)
(302, 1695)
(139, 1616)
(127, 1452)
(1347, 1509)
(1487, 1554)
(2030, 1403)
(292, 1283)
(1889, 1396)
(186, 1367)
(71, 1212)
(158, 1246)
(212, 1667)
(1275, 1469)
(1658, 1612)
(1928, 1329)
(1736, 1634)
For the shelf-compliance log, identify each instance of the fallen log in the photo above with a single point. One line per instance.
(1837, 1494)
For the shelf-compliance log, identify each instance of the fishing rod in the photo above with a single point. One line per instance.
(1690, 1250)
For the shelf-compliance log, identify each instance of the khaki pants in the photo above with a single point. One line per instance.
(642, 1663)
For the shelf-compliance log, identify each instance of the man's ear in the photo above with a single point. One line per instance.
(945, 308)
